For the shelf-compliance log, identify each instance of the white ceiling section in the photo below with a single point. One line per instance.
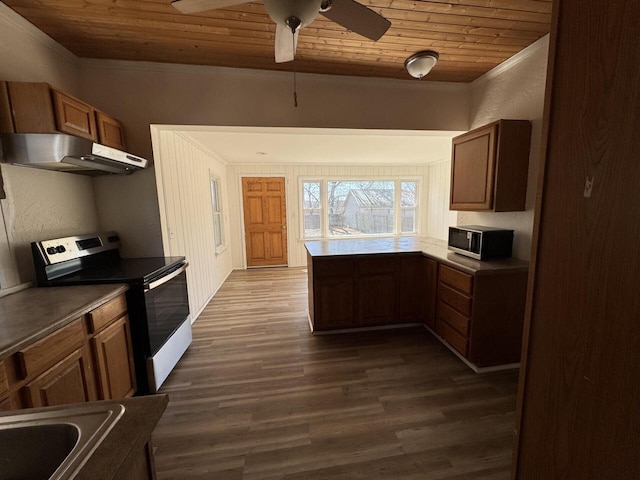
(321, 146)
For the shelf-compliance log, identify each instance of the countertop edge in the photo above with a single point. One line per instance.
(61, 322)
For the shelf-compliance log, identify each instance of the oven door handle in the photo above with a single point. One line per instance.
(166, 278)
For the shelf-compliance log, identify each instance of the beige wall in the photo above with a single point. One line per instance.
(183, 172)
(142, 94)
(514, 90)
(39, 204)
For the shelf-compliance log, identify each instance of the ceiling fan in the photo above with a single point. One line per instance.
(291, 15)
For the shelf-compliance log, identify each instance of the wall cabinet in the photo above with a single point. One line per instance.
(91, 358)
(27, 107)
(489, 167)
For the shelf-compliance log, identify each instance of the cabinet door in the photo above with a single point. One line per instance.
(334, 303)
(411, 286)
(114, 361)
(472, 169)
(110, 131)
(6, 118)
(69, 381)
(377, 289)
(74, 117)
(430, 272)
(31, 107)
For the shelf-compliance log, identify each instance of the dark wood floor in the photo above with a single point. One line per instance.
(258, 397)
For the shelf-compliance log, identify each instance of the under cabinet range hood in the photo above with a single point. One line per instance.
(66, 153)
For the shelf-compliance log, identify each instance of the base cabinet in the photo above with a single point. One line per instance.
(114, 361)
(143, 467)
(69, 381)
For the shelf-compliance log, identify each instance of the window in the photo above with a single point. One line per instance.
(343, 208)
(218, 227)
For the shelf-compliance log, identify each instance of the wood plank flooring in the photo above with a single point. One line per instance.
(258, 397)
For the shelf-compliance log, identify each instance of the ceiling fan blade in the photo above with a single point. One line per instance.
(358, 18)
(286, 44)
(197, 6)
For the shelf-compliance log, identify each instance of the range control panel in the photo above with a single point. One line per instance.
(69, 248)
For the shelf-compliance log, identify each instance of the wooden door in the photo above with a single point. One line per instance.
(110, 131)
(74, 117)
(114, 361)
(580, 388)
(265, 221)
(69, 381)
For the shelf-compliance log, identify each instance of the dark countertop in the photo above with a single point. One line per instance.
(114, 456)
(32, 314)
(428, 246)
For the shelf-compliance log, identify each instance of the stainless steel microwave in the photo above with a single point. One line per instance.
(481, 243)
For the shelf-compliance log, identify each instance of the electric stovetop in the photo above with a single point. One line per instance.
(124, 270)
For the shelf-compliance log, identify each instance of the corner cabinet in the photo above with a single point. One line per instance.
(489, 167)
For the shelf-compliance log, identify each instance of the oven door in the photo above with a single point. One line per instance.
(167, 306)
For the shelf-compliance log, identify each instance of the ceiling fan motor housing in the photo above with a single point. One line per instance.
(282, 10)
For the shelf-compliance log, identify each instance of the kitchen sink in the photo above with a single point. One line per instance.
(54, 444)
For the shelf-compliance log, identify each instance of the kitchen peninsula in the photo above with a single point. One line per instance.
(475, 307)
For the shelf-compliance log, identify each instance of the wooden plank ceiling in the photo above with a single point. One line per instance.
(472, 36)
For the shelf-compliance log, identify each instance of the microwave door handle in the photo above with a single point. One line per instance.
(470, 238)
(166, 278)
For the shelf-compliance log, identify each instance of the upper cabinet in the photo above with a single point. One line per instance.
(27, 107)
(489, 167)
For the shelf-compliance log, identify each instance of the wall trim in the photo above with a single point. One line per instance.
(541, 43)
(14, 19)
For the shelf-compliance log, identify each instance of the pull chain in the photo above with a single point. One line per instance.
(295, 85)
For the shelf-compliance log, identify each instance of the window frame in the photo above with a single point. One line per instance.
(324, 207)
(215, 186)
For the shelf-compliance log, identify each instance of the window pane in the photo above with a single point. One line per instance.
(360, 207)
(311, 195)
(217, 230)
(214, 196)
(312, 223)
(409, 196)
(408, 220)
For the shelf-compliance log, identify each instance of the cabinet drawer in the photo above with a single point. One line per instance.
(378, 264)
(334, 266)
(453, 318)
(46, 352)
(452, 337)
(456, 279)
(102, 316)
(4, 385)
(455, 299)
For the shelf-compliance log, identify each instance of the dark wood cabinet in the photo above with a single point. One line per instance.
(6, 119)
(332, 293)
(69, 381)
(429, 272)
(489, 167)
(412, 283)
(377, 284)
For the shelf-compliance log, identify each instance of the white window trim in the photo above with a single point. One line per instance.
(324, 207)
(223, 244)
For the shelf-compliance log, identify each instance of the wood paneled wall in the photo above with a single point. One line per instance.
(293, 173)
(439, 217)
(183, 172)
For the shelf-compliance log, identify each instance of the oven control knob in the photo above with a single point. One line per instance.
(52, 250)
(61, 249)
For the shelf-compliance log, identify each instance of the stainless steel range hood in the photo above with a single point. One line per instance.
(66, 153)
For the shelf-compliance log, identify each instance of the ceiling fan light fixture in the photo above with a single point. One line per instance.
(420, 63)
(281, 10)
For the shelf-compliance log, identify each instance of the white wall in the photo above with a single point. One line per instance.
(293, 173)
(439, 218)
(39, 204)
(183, 171)
(513, 90)
(142, 94)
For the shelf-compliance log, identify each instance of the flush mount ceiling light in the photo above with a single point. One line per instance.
(420, 63)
